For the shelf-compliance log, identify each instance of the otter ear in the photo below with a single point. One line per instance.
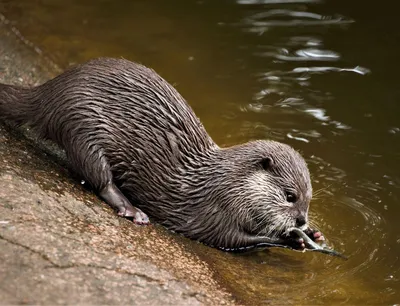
(267, 163)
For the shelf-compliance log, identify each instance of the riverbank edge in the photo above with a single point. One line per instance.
(60, 244)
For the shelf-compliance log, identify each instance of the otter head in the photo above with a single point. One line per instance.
(266, 186)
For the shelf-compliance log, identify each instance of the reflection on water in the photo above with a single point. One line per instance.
(261, 22)
(313, 70)
(318, 75)
(275, 1)
(302, 55)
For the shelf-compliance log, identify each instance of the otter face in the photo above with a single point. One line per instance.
(275, 190)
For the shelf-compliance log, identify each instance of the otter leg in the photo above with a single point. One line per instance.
(91, 162)
(115, 198)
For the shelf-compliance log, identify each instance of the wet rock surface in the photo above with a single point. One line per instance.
(60, 244)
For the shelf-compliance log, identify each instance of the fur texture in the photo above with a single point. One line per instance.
(121, 121)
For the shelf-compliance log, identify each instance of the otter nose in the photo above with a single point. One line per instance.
(300, 221)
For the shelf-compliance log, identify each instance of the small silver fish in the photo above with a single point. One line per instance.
(312, 246)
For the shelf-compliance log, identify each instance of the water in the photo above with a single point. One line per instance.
(318, 75)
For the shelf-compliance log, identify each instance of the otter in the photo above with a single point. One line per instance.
(129, 134)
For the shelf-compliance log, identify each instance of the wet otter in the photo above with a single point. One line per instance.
(133, 137)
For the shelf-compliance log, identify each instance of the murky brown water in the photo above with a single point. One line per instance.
(320, 76)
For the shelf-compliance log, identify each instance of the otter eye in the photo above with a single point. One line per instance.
(291, 197)
(266, 163)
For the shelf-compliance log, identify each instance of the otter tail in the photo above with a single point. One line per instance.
(16, 104)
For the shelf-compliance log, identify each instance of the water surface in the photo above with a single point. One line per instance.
(318, 75)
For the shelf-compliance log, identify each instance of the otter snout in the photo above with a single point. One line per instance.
(301, 221)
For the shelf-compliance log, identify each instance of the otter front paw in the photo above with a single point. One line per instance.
(295, 242)
(300, 240)
(315, 235)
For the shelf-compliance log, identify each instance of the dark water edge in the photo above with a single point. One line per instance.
(318, 75)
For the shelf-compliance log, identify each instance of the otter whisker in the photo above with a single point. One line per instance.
(313, 224)
(320, 190)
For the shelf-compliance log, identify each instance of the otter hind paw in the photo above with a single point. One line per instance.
(137, 216)
(116, 199)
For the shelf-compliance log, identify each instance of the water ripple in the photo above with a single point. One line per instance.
(357, 69)
(370, 216)
(280, 103)
(300, 74)
(319, 113)
(261, 22)
(309, 54)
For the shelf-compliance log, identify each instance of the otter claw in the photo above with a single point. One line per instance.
(141, 218)
(318, 237)
(138, 217)
(301, 242)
